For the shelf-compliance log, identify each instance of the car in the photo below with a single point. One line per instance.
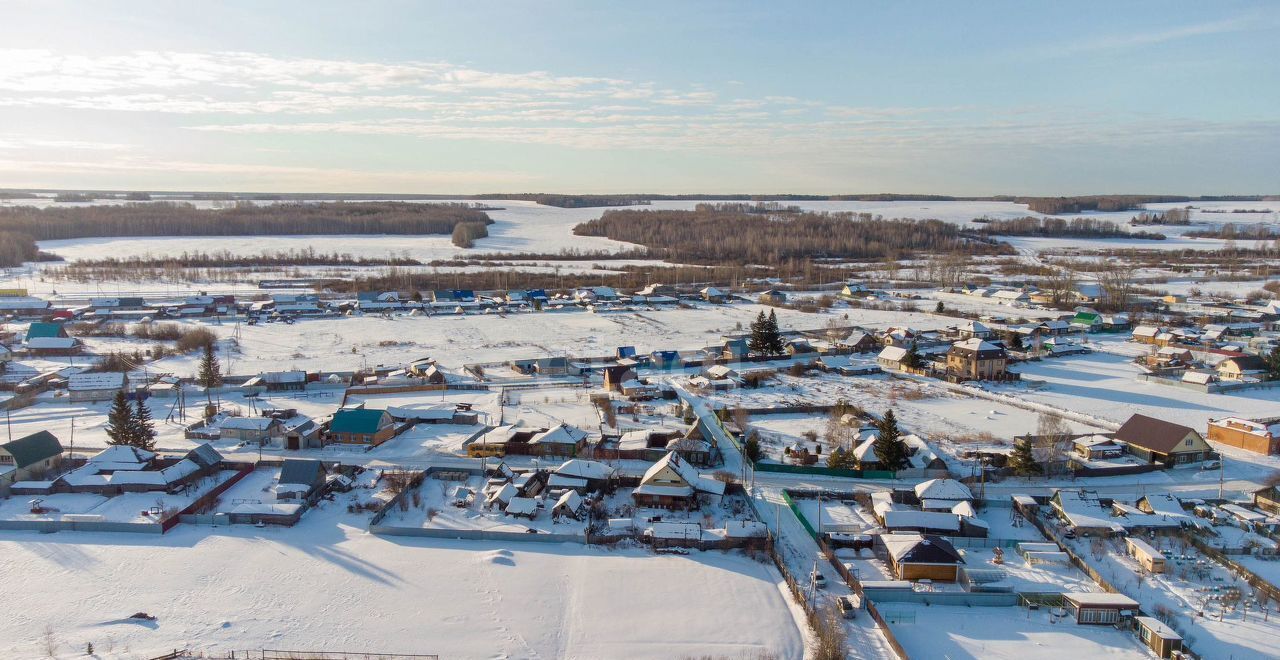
(848, 608)
(819, 580)
(1211, 465)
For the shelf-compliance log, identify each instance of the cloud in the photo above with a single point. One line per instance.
(1129, 40)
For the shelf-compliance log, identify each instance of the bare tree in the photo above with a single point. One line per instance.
(1053, 443)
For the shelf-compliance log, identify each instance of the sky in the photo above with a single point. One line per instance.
(956, 98)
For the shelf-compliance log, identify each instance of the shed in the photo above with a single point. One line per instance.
(1099, 608)
(1150, 558)
(1160, 638)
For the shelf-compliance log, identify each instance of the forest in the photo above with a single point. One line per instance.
(1103, 203)
(1062, 228)
(242, 219)
(713, 236)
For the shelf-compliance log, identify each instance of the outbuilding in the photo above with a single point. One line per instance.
(1099, 607)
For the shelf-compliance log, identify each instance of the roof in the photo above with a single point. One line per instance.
(32, 449)
(301, 471)
(503, 494)
(357, 420)
(893, 354)
(978, 346)
(942, 489)
(1157, 627)
(563, 434)
(1154, 434)
(38, 330)
(686, 472)
(521, 505)
(121, 457)
(247, 423)
(1262, 427)
(921, 549)
(95, 381)
(585, 469)
(205, 455)
(571, 500)
(921, 520)
(1245, 363)
(1102, 599)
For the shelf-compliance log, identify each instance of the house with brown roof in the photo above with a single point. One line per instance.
(1157, 441)
(975, 359)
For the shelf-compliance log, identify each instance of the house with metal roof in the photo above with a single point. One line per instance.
(89, 387)
(360, 426)
(1159, 441)
(29, 456)
(922, 557)
(300, 478)
(49, 339)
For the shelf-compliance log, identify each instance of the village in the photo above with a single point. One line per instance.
(1074, 478)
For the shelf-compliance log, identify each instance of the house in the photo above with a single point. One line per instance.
(1198, 377)
(592, 475)
(734, 349)
(1160, 638)
(1267, 499)
(1244, 367)
(1011, 297)
(713, 295)
(258, 430)
(279, 381)
(360, 426)
(1168, 356)
(22, 305)
(1146, 556)
(29, 457)
(1146, 334)
(1090, 447)
(1260, 436)
(663, 290)
(975, 359)
(91, 387)
(49, 339)
(1084, 513)
(501, 495)
(892, 357)
(300, 478)
(922, 557)
(861, 342)
(522, 507)
(799, 347)
(673, 483)
(563, 440)
(941, 494)
(453, 296)
(773, 297)
(1087, 321)
(617, 374)
(973, 329)
(665, 360)
(1098, 607)
(557, 365)
(1158, 441)
(570, 504)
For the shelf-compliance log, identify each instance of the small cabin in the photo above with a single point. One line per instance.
(1148, 557)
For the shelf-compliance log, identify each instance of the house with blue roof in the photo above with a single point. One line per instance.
(361, 426)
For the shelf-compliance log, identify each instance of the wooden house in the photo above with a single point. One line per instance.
(1244, 367)
(975, 359)
(49, 339)
(1146, 556)
(922, 557)
(1160, 638)
(29, 456)
(672, 483)
(300, 478)
(1159, 441)
(360, 426)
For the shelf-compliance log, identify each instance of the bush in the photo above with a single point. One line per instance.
(196, 339)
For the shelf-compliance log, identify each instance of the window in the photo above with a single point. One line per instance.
(1188, 442)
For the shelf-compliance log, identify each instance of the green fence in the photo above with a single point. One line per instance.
(791, 504)
(820, 471)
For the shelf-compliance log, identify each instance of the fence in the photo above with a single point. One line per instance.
(814, 470)
(275, 654)
(1217, 555)
(206, 499)
(953, 598)
(51, 526)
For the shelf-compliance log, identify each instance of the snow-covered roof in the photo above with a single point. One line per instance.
(975, 345)
(675, 530)
(561, 481)
(892, 354)
(1100, 598)
(921, 520)
(50, 343)
(247, 423)
(95, 381)
(121, 457)
(1263, 427)
(571, 500)
(687, 472)
(585, 469)
(563, 434)
(503, 494)
(744, 528)
(521, 506)
(942, 489)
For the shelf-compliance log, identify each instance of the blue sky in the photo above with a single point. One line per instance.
(946, 97)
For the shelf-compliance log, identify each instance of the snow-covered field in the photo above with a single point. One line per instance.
(327, 585)
(941, 632)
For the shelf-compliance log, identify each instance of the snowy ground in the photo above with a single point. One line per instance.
(1002, 633)
(326, 585)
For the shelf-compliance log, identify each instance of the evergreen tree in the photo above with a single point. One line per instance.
(751, 447)
(939, 308)
(1273, 363)
(1023, 462)
(891, 452)
(912, 360)
(210, 374)
(758, 343)
(144, 429)
(1013, 340)
(841, 459)
(773, 336)
(120, 422)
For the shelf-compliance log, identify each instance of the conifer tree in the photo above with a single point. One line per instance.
(1023, 462)
(773, 336)
(120, 422)
(758, 343)
(144, 430)
(210, 374)
(891, 452)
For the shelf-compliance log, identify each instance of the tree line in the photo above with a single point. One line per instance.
(1061, 227)
(1104, 203)
(712, 236)
(242, 219)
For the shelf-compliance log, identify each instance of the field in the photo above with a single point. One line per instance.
(327, 585)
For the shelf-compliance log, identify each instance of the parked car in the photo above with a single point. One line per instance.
(1211, 465)
(819, 580)
(848, 608)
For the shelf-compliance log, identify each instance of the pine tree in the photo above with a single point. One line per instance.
(912, 360)
(1272, 360)
(120, 423)
(939, 308)
(773, 336)
(758, 343)
(1013, 340)
(1023, 462)
(891, 452)
(751, 448)
(144, 429)
(210, 374)
(841, 459)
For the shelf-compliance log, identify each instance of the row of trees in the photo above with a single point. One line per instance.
(130, 425)
(716, 236)
(1061, 205)
(17, 247)
(1061, 227)
(242, 219)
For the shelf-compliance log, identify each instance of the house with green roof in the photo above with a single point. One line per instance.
(49, 339)
(361, 426)
(29, 457)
